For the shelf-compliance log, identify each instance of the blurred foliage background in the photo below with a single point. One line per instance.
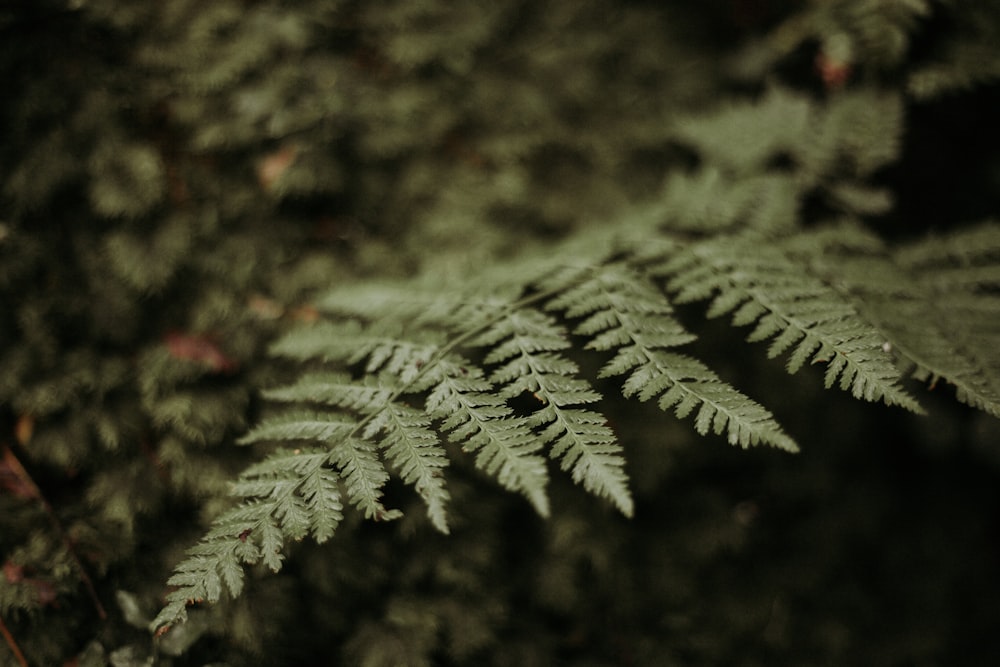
(177, 178)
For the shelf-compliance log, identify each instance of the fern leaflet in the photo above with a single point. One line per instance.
(334, 389)
(626, 311)
(414, 450)
(934, 302)
(298, 425)
(291, 493)
(528, 347)
(480, 420)
(772, 290)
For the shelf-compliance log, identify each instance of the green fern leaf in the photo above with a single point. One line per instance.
(323, 340)
(409, 353)
(320, 491)
(291, 493)
(582, 439)
(350, 343)
(934, 302)
(417, 306)
(626, 312)
(334, 389)
(772, 289)
(304, 492)
(246, 534)
(590, 449)
(298, 425)
(684, 383)
(480, 420)
(414, 450)
(364, 476)
(744, 136)
(932, 356)
(621, 305)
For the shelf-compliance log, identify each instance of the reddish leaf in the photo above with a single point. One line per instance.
(832, 71)
(271, 168)
(201, 349)
(14, 478)
(45, 592)
(13, 572)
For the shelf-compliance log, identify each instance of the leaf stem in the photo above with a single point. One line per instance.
(31, 490)
(15, 649)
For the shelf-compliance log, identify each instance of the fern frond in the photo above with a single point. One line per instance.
(935, 303)
(940, 258)
(323, 340)
(397, 380)
(684, 383)
(479, 419)
(933, 354)
(198, 579)
(969, 57)
(320, 490)
(743, 137)
(967, 64)
(363, 475)
(414, 450)
(530, 363)
(299, 425)
(774, 291)
(350, 343)
(861, 127)
(408, 356)
(625, 311)
(303, 489)
(620, 306)
(416, 307)
(291, 493)
(335, 389)
(407, 439)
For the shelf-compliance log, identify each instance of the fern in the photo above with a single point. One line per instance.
(528, 342)
(625, 312)
(413, 448)
(478, 418)
(933, 301)
(291, 493)
(493, 361)
(770, 289)
(394, 368)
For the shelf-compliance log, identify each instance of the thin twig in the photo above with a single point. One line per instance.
(15, 649)
(32, 491)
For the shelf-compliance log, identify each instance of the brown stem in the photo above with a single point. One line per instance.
(15, 649)
(30, 490)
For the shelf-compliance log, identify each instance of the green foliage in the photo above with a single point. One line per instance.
(935, 301)
(787, 304)
(614, 306)
(271, 269)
